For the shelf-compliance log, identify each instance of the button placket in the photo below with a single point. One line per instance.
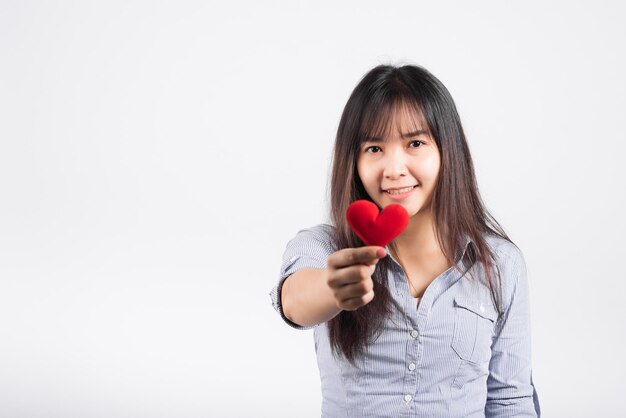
(412, 359)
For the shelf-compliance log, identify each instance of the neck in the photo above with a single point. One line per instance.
(419, 236)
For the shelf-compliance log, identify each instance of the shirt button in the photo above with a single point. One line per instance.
(412, 366)
(414, 333)
(407, 398)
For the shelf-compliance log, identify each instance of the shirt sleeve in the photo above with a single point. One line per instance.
(510, 388)
(309, 248)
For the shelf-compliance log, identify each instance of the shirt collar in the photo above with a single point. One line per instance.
(465, 240)
(464, 243)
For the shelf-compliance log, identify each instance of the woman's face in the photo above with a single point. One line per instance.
(404, 158)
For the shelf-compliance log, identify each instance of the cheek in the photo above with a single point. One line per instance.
(429, 167)
(363, 173)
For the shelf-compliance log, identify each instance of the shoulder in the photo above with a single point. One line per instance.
(322, 232)
(511, 265)
(316, 235)
(504, 251)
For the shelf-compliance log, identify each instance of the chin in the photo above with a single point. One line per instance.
(413, 209)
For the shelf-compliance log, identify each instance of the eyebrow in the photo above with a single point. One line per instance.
(406, 135)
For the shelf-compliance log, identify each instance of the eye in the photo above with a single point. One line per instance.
(374, 146)
(419, 142)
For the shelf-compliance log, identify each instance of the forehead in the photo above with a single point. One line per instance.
(393, 121)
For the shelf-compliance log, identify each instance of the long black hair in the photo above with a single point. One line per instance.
(456, 203)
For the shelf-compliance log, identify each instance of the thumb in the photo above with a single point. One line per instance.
(380, 253)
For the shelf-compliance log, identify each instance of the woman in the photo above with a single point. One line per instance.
(440, 327)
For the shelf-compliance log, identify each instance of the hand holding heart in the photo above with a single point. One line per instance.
(349, 275)
(349, 271)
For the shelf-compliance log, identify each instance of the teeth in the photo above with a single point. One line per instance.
(406, 189)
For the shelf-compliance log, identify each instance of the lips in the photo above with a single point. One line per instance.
(404, 189)
(400, 196)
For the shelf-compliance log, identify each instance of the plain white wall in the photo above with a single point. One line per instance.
(156, 157)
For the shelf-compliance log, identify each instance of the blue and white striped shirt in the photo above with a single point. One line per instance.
(446, 357)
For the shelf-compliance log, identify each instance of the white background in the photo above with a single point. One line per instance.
(156, 157)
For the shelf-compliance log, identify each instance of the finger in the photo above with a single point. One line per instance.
(354, 303)
(354, 290)
(351, 274)
(351, 256)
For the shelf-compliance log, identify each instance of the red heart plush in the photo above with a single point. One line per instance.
(374, 227)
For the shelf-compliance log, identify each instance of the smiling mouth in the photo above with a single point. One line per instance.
(400, 191)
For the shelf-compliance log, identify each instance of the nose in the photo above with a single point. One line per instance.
(395, 166)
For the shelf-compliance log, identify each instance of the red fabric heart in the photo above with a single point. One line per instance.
(374, 227)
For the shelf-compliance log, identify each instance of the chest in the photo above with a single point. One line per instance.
(420, 275)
